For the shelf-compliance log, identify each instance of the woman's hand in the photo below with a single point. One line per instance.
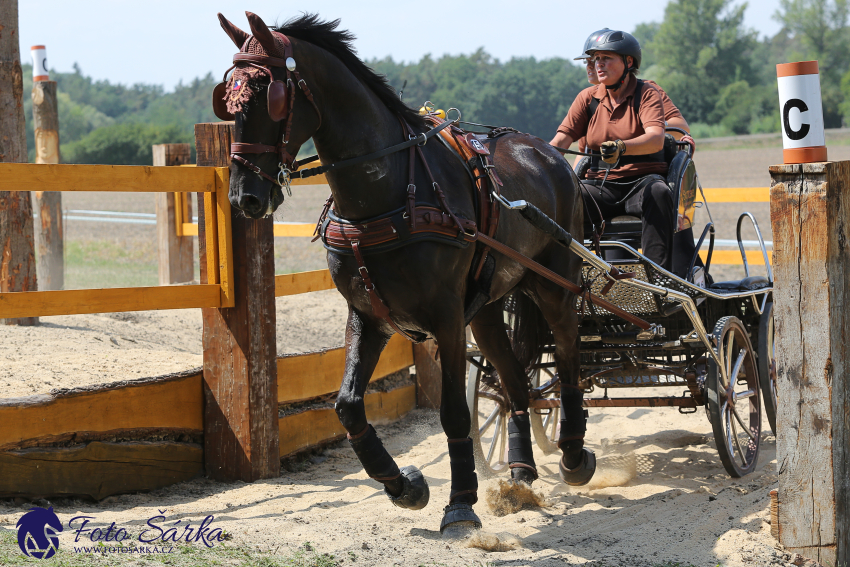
(611, 151)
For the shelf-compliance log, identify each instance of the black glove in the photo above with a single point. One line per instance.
(611, 151)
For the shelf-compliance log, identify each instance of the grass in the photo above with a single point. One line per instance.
(183, 556)
(108, 263)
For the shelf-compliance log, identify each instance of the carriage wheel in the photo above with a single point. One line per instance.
(490, 411)
(733, 398)
(767, 365)
(546, 423)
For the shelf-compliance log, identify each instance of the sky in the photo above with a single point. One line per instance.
(164, 42)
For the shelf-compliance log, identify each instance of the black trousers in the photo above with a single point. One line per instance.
(653, 201)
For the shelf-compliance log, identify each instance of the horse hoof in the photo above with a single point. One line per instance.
(415, 494)
(582, 474)
(522, 474)
(459, 520)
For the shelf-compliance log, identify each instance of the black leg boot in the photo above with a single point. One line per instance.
(520, 453)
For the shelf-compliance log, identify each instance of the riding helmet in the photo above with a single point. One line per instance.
(616, 41)
(588, 42)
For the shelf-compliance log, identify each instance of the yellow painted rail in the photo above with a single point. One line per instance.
(15, 305)
(737, 195)
(115, 178)
(302, 282)
(304, 376)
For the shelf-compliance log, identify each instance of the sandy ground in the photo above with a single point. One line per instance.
(660, 497)
(82, 350)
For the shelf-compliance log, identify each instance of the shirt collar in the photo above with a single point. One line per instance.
(601, 93)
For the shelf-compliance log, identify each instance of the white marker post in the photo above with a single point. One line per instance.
(802, 112)
(39, 63)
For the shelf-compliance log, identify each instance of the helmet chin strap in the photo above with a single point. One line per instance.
(622, 80)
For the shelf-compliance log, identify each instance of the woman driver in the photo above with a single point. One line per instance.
(623, 118)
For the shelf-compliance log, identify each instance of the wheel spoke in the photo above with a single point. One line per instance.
(489, 420)
(726, 415)
(744, 395)
(503, 439)
(743, 425)
(733, 377)
(495, 439)
(556, 412)
(738, 443)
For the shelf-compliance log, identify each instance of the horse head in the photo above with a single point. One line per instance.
(261, 96)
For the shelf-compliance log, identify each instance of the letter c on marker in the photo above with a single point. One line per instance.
(786, 111)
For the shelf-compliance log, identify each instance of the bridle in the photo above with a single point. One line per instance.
(281, 102)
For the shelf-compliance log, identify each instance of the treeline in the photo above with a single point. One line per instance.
(719, 73)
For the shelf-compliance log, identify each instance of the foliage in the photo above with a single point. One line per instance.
(127, 143)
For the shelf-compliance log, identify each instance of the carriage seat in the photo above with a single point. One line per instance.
(751, 283)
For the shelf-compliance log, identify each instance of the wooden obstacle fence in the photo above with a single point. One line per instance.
(223, 420)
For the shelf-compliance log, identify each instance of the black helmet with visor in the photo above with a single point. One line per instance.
(619, 42)
(591, 39)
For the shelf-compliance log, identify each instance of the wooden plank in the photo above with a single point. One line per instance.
(306, 376)
(733, 257)
(112, 300)
(294, 229)
(320, 179)
(738, 195)
(120, 178)
(315, 427)
(429, 375)
(98, 470)
(138, 404)
(176, 252)
(302, 282)
(190, 228)
(241, 435)
(225, 237)
(810, 215)
(211, 237)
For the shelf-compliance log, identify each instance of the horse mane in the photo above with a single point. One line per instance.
(324, 34)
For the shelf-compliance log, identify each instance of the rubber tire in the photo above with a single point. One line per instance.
(714, 389)
(765, 354)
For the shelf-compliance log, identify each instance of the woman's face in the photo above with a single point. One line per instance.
(591, 72)
(609, 66)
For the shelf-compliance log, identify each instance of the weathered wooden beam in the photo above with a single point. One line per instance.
(241, 434)
(97, 470)
(112, 178)
(176, 262)
(810, 214)
(49, 234)
(429, 375)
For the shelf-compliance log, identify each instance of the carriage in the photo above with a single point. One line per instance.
(710, 343)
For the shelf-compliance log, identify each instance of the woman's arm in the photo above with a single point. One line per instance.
(561, 140)
(650, 142)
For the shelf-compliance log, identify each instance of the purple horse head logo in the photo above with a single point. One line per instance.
(37, 531)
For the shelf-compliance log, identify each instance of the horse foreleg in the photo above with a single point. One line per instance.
(492, 338)
(364, 342)
(454, 416)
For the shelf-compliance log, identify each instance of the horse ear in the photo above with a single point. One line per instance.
(237, 35)
(262, 33)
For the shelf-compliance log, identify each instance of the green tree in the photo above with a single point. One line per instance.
(821, 27)
(123, 144)
(645, 33)
(701, 47)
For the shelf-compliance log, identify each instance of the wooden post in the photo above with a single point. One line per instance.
(50, 235)
(810, 213)
(241, 431)
(429, 375)
(176, 264)
(17, 249)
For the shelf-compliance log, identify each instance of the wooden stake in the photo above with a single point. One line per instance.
(176, 263)
(49, 236)
(241, 431)
(17, 248)
(810, 213)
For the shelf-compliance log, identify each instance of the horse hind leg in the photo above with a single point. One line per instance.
(405, 487)
(491, 336)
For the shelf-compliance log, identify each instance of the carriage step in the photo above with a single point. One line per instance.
(682, 402)
(627, 337)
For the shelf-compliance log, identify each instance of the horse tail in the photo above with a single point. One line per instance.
(530, 330)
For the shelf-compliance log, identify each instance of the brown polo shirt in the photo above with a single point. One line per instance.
(616, 122)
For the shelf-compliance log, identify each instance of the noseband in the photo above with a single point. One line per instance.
(281, 102)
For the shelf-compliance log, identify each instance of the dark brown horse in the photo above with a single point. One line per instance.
(350, 111)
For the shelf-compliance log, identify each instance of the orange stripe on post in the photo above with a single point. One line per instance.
(804, 155)
(798, 68)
